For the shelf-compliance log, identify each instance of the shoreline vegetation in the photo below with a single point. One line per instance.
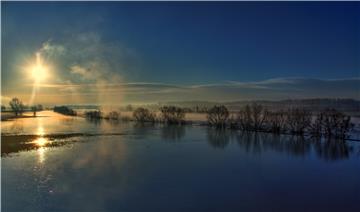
(328, 123)
(17, 110)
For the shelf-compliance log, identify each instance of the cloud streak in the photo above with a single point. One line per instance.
(272, 89)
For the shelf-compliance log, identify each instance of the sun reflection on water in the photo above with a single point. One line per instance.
(41, 142)
(41, 153)
(40, 129)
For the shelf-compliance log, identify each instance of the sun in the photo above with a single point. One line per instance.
(39, 71)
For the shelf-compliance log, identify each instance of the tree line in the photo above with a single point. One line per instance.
(328, 123)
(18, 107)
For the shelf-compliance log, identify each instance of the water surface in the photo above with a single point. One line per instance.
(71, 164)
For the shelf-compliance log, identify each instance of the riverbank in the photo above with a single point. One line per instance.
(6, 116)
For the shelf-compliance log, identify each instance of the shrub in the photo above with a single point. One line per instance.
(172, 114)
(218, 116)
(252, 117)
(143, 115)
(275, 121)
(64, 110)
(113, 115)
(335, 124)
(97, 114)
(316, 127)
(298, 120)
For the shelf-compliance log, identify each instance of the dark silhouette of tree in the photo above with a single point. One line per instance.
(64, 110)
(143, 115)
(172, 114)
(113, 115)
(218, 116)
(39, 107)
(335, 124)
(17, 106)
(129, 108)
(34, 109)
(97, 114)
(298, 120)
(316, 127)
(275, 121)
(252, 117)
(3, 108)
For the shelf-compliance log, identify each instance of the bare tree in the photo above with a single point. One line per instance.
(96, 114)
(335, 124)
(17, 106)
(113, 115)
(129, 108)
(258, 115)
(276, 121)
(217, 116)
(252, 117)
(298, 120)
(316, 127)
(172, 114)
(34, 109)
(244, 118)
(143, 115)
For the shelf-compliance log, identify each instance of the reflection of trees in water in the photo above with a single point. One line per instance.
(297, 145)
(173, 132)
(100, 121)
(332, 149)
(94, 121)
(250, 141)
(258, 143)
(218, 137)
(113, 122)
(143, 129)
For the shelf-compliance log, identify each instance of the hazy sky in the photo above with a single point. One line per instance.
(158, 51)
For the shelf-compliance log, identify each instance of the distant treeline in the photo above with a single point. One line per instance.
(314, 105)
(328, 123)
(64, 110)
(18, 107)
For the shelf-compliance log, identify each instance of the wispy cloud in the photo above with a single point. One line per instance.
(89, 70)
(272, 89)
(84, 62)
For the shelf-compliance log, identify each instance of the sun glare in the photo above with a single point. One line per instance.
(41, 141)
(39, 71)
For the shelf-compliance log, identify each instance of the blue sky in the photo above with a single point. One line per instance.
(185, 43)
